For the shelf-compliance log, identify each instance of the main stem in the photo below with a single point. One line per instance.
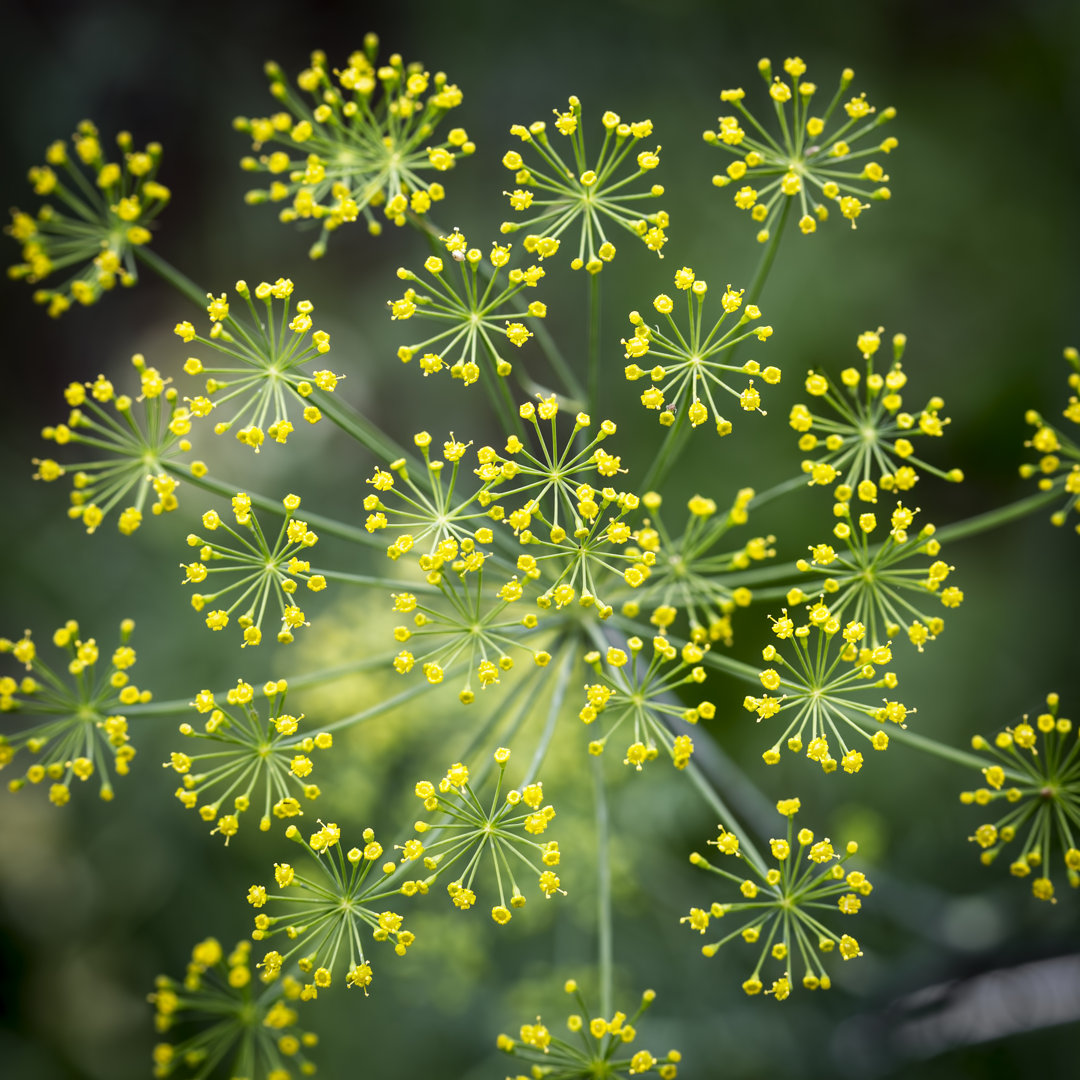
(604, 927)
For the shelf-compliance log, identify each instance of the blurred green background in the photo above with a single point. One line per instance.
(974, 258)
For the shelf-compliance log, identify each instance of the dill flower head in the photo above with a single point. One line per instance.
(689, 365)
(595, 1047)
(260, 567)
(324, 912)
(874, 583)
(820, 687)
(557, 193)
(433, 512)
(815, 156)
(218, 1012)
(471, 310)
(79, 728)
(576, 536)
(783, 907)
(104, 212)
(138, 450)
(866, 437)
(364, 143)
(1058, 467)
(465, 834)
(640, 695)
(258, 365)
(468, 627)
(1035, 782)
(688, 575)
(244, 753)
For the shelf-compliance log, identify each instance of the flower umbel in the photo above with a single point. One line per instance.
(262, 365)
(830, 666)
(264, 569)
(560, 195)
(595, 1048)
(467, 626)
(255, 1026)
(80, 726)
(465, 834)
(1058, 467)
(325, 914)
(872, 584)
(432, 513)
(810, 161)
(687, 368)
(583, 547)
(363, 144)
(473, 310)
(781, 906)
(868, 439)
(688, 576)
(1041, 787)
(138, 453)
(243, 754)
(628, 689)
(105, 213)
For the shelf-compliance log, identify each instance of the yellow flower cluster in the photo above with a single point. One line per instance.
(781, 904)
(561, 193)
(106, 211)
(140, 451)
(79, 723)
(814, 162)
(685, 369)
(363, 144)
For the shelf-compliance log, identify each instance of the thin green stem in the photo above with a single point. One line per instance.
(992, 519)
(727, 818)
(674, 441)
(946, 753)
(767, 258)
(604, 928)
(167, 272)
(594, 342)
(558, 696)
